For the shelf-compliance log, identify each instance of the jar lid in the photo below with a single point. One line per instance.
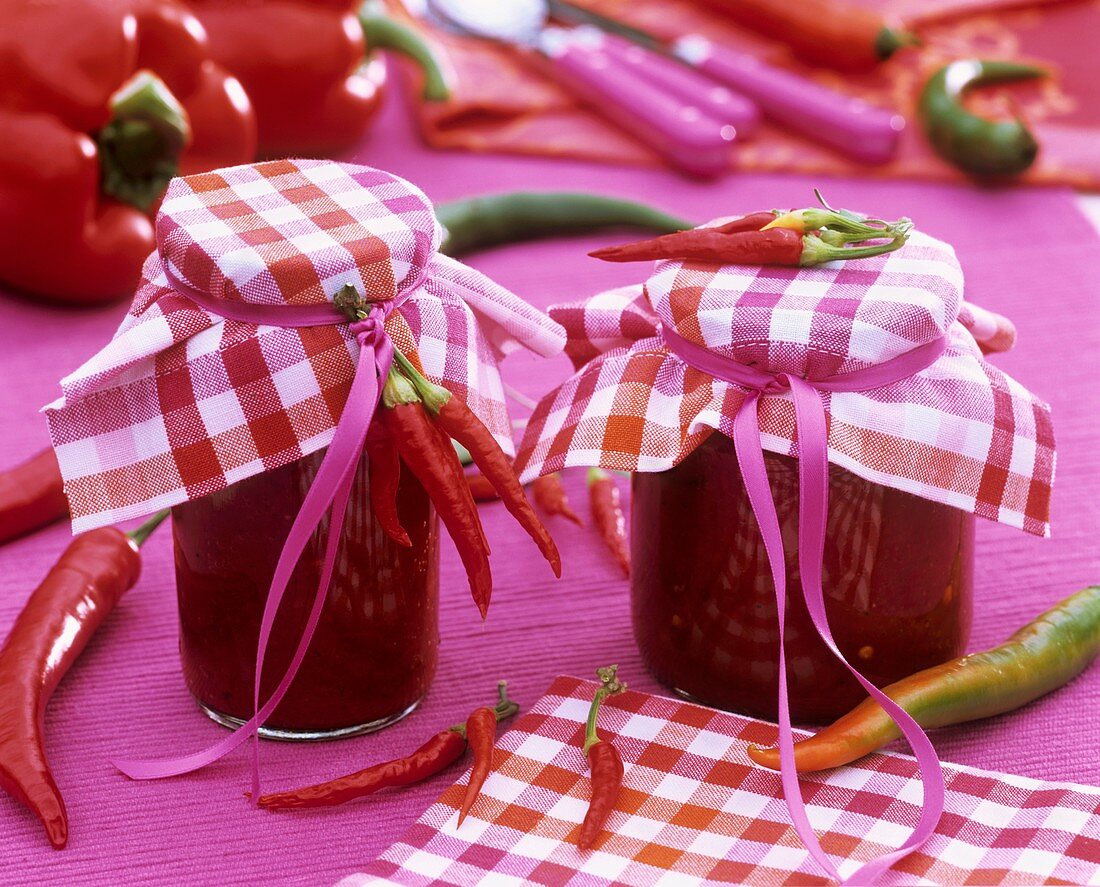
(295, 231)
(959, 431)
(184, 400)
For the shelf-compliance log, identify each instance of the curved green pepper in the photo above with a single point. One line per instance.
(481, 222)
(978, 146)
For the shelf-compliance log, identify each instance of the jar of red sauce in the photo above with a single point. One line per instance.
(897, 576)
(374, 652)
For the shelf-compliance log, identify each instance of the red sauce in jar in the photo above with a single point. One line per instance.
(898, 576)
(374, 653)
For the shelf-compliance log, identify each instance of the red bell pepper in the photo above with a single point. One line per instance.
(101, 102)
(310, 67)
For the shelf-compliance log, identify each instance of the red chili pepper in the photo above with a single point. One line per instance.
(549, 495)
(772, 238)
(751, 222)
(100, 104)
(433, 461)
(775, 246)
(385, 475)
(604, 763)
(457, 420)
(836, 33)
(481, 488)
(32, 495)
(54, 626)
(481, 732)
(439, 752)
(607, 512)
(310, 68)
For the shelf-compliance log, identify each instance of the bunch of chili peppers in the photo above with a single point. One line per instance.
(435, 755)
(801, 237)
(418, 421)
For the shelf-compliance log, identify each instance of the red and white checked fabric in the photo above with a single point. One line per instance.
(694, 810)
(183, 402)
(960, 432)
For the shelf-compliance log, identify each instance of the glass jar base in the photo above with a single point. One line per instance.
(308, 735)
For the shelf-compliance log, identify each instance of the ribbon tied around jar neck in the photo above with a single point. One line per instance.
(813, 473)
(329, 492)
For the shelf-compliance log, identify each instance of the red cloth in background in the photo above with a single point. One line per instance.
(503, 104)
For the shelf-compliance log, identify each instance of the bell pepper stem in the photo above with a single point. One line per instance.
(139, 150)
(382, 32)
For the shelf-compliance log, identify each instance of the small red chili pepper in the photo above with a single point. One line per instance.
(481, 732)
(55, 625)
(481, 488)
(32, 495)
(435, 755)
(607, 512)
(604, 762)
(752, 222)
(459, 421)
(436, 466)
(783, 240)
(549, 495)
(385, 475)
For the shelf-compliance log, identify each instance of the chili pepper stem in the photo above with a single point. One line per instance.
(431, 395)
(504, 709)
(397, 390)
(610, 685)
(140, 534)
(815, 251)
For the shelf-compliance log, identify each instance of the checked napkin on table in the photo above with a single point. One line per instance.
(693, 809)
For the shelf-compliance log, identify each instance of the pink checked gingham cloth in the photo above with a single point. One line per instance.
(183, 402)
(959, 432)
(694, 809)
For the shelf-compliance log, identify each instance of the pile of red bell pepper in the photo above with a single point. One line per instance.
(103, 101)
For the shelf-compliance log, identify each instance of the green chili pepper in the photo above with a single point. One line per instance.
(481, 222)
(978, 146)
(1039, 658)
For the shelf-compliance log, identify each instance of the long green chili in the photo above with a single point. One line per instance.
(481, 222)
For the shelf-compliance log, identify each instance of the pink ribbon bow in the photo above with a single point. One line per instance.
(330, 490)
(813, 479)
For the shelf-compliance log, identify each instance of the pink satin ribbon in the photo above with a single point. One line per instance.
(330, 490)
(813, 478)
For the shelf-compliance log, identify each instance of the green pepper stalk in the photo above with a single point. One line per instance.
(140, 148)
(1037, 659)
(382, 32)
(983, 148)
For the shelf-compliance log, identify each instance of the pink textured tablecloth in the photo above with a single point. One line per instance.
(1029, 254)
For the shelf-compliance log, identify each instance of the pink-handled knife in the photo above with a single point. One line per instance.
(683, 133)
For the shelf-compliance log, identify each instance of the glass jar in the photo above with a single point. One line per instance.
(897, 577)
(374, 653)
